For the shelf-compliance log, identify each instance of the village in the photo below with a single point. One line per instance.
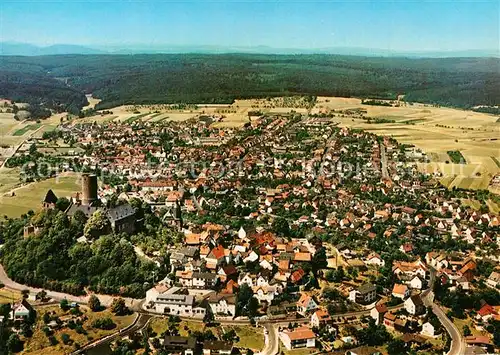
(325, 239)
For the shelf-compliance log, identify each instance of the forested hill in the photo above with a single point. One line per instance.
(61, 81)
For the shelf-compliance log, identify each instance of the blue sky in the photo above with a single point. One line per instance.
(390, 25)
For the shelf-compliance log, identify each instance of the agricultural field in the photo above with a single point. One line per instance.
(435, 130)
(29, 197)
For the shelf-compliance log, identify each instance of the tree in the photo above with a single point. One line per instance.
(466, 330)
(62, 204)
(25, 293)
(42, 295)
(281, 226)
(94, 303)
(14, 344)
(396, 347)
(118, 307)
(65, 338)
(97, 225)
(64, 304)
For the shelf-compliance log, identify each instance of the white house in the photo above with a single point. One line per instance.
(416, 282)
(414, 305)
(302, 337)
(222, 304)
(306, 304)
(428, 329)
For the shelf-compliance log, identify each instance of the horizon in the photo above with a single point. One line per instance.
(412, 26)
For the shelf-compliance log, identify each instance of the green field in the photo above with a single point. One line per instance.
(135, 118)
(24, 130)
(29, 197)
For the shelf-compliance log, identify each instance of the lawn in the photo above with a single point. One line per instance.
(29, 197)
(9, 177)
(39, 342)
(160, 325)
(250, 337)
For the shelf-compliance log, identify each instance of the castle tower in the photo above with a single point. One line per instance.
(89, 189)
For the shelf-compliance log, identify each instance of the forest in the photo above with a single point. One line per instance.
(60, 82)
(53, 259)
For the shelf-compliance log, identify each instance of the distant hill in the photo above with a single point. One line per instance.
(61, 82)
(25, 49)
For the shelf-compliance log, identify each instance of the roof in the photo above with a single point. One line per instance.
(50, 197)
(218, 345)
(416, 300)
(178, 342)
(120, 212)
(217, 252)
(381, 308)
(300, 333)
(364, 350)
(304, 300)
(193, 239)
(399, 289)
(302, 257)
(366, 288)
(216, 297)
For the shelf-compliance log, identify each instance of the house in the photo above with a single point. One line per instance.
(306, 304)
(320, 317)
(374, 259)
(179, 345)
(222, 304)
(494, 279)
(302, 337)
(415, 282)
(215, 257)
(122, 218)
(428, 329)
(217, 347)
(363, 350)
(204, 280)
(378, 313)
(21, 310)
(172, 302)
(414, 305)
(364, 294)
(400, 291)
(389, 319)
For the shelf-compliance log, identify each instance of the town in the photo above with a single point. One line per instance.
(311, 237)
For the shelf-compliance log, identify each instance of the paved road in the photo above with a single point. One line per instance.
(106, 300)
(383, 161)
(458, 346)
(272, 341)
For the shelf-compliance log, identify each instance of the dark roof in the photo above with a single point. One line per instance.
(50, 197)
(366, 288)
(417, 300)
(120, 212)
(218, 345)
(204, 275)
(179, 343)
(87, 210)
(216, 297)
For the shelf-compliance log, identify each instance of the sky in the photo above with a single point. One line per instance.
(402, 25)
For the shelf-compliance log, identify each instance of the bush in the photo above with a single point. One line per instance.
(104, 323)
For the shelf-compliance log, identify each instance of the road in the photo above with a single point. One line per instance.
(383, 162)
(106, 300)
(140, 323)
(458, 346)
(272, 341)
